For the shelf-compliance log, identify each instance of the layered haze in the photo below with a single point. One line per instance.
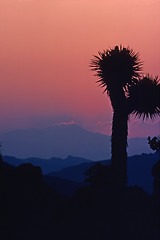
(46, 47)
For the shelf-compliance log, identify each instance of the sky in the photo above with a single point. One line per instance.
(45, 50)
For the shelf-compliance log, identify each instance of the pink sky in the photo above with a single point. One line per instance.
(46, 47)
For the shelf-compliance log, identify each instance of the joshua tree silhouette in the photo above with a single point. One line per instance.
(118, 70)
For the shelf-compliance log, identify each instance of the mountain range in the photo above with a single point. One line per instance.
(67, 175)
(62, 141)
(139, 171)
(47, 165)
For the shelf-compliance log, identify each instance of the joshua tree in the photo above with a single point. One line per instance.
(118, 71)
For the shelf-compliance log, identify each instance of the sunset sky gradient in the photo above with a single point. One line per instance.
(45, 50)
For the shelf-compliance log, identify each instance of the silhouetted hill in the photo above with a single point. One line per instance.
(64, 140)
(139, 171)
(47, 165)
(69, 173)
(75, 173)
(7, 166)
(30, 209)
(63, 186)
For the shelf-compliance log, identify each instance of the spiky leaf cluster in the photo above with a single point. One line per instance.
(144, 97)
(154, 143)
(116, 68)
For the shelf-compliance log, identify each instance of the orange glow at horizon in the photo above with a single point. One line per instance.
(46, 47)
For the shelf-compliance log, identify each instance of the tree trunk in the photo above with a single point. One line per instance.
(118, 148)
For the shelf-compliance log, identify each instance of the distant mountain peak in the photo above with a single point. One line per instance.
(63, 141)
(65, 123)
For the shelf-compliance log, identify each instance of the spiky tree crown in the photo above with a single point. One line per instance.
(144, 97)
(116, 68)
